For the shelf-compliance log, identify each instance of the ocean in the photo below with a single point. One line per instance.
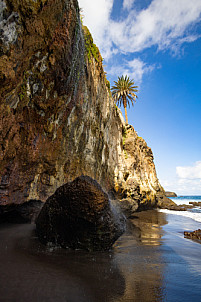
(194, 213)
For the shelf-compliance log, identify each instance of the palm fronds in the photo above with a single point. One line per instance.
(123, 92)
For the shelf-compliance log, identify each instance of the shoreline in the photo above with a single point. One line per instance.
(152, 261)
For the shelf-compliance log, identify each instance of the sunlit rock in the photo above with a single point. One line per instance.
(58, 119)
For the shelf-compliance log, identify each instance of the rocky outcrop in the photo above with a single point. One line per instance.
(195, 203)
(57, 118)
(136, 181)
(166, 203)
(79, 216)
(170, 194)
(195, 235)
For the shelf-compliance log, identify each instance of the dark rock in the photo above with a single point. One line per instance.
(195, 235)
(165, 203)
(195, 204)
(78, 215)
(170, 194)
(182, 207)
(128, 206)
(21, 213)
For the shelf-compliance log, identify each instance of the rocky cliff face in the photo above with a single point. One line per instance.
(139, 181)
(57, 118)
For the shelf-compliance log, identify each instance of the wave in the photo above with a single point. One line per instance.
(194, 214)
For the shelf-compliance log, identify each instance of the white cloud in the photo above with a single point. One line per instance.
(182, 186)
(135, 69)
(164, 23)
(189, 186)
(139, 68)
(161, 24)
(190, 172)
(127, 4)
(187, 182)
(96, 15)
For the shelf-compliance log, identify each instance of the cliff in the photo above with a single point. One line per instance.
(57, 118)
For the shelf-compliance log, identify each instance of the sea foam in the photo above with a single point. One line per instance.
(194, 213)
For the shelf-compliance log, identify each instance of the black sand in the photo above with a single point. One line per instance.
(152, 261)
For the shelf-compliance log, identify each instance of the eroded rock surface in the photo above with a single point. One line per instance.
(137, 182)
(57, 117)
(79, 216)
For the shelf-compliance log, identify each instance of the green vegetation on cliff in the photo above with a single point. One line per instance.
(91, 48)
(92, 51)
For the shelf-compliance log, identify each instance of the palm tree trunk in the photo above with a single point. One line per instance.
(125, 108)
(126, 115)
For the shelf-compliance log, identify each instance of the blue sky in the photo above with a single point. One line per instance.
(158, 44)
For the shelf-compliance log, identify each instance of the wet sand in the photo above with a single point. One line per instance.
(152, 261)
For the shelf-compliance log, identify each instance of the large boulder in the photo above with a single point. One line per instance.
(79, 216)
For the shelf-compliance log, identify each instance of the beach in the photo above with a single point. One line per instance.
(152, 261)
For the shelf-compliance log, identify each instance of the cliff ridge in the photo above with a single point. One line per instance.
(57, 117)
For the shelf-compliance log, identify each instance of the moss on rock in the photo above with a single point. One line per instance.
(91, 48)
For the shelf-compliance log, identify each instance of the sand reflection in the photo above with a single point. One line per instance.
(138, 257)
(149, 225)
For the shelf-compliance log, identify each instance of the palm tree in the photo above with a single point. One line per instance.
(124, 92)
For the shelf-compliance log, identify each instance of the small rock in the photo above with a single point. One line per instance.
(195, 235)
(170, 194)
